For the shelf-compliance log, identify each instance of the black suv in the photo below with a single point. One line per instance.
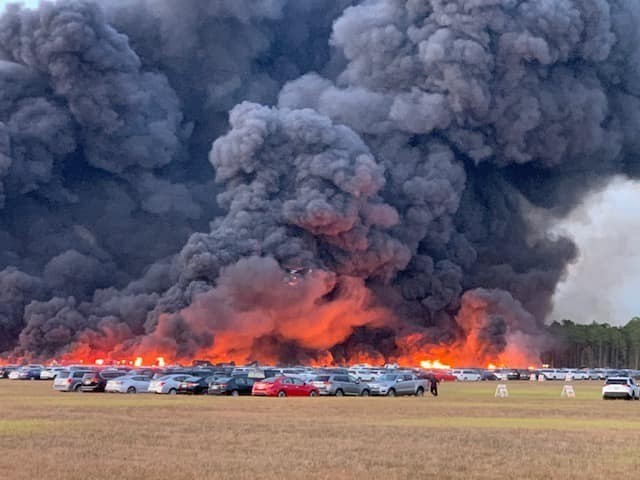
(97, 381)
(234, 386)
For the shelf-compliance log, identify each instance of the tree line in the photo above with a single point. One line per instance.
(594, 345)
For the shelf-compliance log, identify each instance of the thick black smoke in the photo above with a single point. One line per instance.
(388, 151)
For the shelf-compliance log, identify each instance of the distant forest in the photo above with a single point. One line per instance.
(594, 345)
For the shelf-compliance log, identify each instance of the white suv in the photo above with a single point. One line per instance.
(620, 387)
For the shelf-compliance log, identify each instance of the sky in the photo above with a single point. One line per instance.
(603, 284)
(30, 3)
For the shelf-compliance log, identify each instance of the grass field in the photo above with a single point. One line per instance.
(464, 433)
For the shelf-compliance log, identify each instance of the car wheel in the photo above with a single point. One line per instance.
(313, 393)
(339, 393)
(391, 393)
(235, 393)
(282, 393)
(131, 390)
(420, 392)
(76, 388)
(172, 391)
(365, 393)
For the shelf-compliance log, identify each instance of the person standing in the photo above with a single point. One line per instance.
(433, 383)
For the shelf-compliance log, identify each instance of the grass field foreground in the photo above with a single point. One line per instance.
(464, 433)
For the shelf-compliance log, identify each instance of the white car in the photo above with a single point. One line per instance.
(129, 384)
(50, 373)
(620, 387)
(467, 375)
(554, 373)
(167, 384)
(578, 374)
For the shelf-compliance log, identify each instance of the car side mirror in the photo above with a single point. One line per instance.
(357, 380)
(398, 380)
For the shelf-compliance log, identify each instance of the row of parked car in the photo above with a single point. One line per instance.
(361, 380)
(229, 381)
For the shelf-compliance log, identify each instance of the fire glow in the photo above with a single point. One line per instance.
(439, 358)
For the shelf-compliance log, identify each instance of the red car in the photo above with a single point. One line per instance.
(441, 375)
(284, 387)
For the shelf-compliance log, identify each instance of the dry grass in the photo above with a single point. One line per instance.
(464, 433)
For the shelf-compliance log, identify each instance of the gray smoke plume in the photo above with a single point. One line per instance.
(378, 156)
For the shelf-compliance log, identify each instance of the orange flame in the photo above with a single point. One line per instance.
(434, 364)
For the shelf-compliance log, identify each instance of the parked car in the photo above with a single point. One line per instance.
(501, 373)
(28, 372)
(129, 384)
(577, 374)
(194, 385)
(620, 387)
(392, 384)
(467, 375)
(554, 373)
(488, 375)
(234, 386)
(284, 387)
(7, 369)
(340, 385)
(167, 384)
(261, 373)
(444, 376)
(50, 373)
(97, 381)
(69, 380)
(525, 374)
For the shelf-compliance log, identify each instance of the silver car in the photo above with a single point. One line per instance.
(50, 373)
(340, 385)
(69, 380)
(129, 384)
(167, 384)
(393, 384)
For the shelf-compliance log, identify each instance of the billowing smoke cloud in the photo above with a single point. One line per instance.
(372, 168)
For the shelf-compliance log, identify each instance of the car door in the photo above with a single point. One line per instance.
(353, 385)
(299, 387)
(141, 384)
(341, 382)
(288, 387)
(405, 385)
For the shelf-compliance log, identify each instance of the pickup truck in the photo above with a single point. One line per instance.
(620, 387)
(392, 384)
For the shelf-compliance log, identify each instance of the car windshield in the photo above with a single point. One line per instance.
(64, 374)
(388, 377)
(322, 378)
(221, 379)
(269, 380)
(616, 381)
